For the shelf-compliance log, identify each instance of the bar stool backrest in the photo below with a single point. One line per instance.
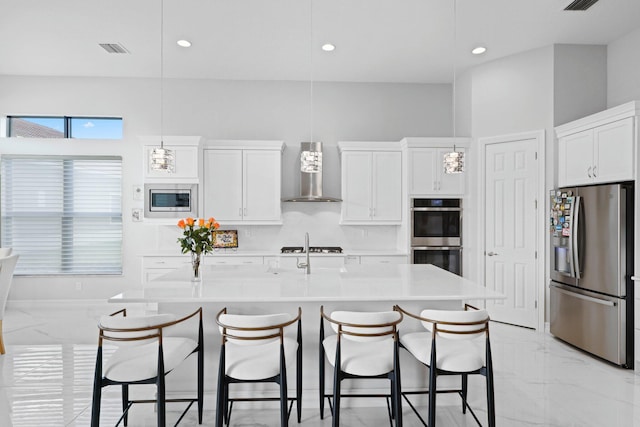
(248, 329)
(126, 331)
(456, 324)
(365, 326)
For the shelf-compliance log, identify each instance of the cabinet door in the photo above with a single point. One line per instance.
(575, 159)
(261, 189)
(447, 183)
(356, 186)
(185, 162)
(222, 189)
(387, 186)
(422, 178)
(613, 151)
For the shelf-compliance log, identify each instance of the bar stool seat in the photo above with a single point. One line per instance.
(241, 359)
(363, 358)
(455, 356)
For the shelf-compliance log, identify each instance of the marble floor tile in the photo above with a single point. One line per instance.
(46, 378)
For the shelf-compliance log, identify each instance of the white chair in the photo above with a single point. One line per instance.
(256, 349)
(5, 252)
(365, 345)
(146, 353)
(7, 265)
(457, 343)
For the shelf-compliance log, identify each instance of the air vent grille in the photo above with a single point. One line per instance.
(580, 4)
(114, 48)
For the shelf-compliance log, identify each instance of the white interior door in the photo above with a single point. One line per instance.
(511, 189)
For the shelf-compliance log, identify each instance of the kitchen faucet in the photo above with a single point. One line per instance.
(306, 265)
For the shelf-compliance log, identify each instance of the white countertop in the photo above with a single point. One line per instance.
(276, 253)
(260, 283)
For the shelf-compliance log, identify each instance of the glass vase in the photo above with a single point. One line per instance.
(196, 273)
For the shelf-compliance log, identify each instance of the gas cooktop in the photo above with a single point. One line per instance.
(312, 250)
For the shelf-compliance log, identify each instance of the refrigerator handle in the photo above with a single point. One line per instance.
(583, 297)
(575, 243)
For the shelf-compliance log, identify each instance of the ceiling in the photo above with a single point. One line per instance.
(377, 40)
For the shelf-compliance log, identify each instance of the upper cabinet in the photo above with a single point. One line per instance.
(242, 181)
(371, 183)
(599, 148)
(426, 167)
(185, 152)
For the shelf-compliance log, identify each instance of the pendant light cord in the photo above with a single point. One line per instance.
(162, 74)
(311, 71)
(455, 45)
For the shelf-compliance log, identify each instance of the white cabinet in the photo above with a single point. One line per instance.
(426, 173)
(376, 259)
(156, 266)
(232, 260)
(371, 186)
(242, 185)
(185, 153)
(316, 261)
(599, 154)
(383, 259)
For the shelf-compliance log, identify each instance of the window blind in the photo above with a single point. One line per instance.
(62, 214)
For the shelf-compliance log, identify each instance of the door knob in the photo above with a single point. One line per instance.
(491, 254)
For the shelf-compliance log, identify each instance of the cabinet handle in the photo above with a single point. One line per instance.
(589, 172)
(594, 172)
(373, 212)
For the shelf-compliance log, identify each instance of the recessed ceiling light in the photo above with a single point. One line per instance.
(479, 50)
(184, 43)
(328, 47)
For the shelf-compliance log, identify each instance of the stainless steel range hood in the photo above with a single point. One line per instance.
(311, 175)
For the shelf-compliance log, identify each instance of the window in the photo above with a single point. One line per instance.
(64, 127)
(63, 214)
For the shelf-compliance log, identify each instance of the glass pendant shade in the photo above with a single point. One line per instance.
(162, 159)
(454, 162)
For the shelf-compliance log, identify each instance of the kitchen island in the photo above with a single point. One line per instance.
(267, 289)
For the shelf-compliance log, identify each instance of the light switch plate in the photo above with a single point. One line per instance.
(136, 214)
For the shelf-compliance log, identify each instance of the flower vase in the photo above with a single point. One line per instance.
(196, 274)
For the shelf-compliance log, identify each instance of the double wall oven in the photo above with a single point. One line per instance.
(436, 233)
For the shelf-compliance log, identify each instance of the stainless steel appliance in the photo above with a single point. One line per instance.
(312, 250)
(170, 200)
(591, 266)
(436, 233)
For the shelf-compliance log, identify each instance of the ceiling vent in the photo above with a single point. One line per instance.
(114, 48)
(580, 4)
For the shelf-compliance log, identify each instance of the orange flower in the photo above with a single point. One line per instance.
(212, 220)
(201, 222)
(207, 224)
(181, 224)
(216, 225)
(190, 221)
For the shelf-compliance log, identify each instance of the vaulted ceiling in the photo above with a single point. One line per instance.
(376, 40)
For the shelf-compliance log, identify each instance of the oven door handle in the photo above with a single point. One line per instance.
(436, 209)
(436, 248)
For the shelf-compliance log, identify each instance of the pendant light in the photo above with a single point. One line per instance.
(161, 158)
(454, 160)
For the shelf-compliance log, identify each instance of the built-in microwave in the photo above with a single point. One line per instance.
(170, 200)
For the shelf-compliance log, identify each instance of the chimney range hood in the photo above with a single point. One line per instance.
(311, 175)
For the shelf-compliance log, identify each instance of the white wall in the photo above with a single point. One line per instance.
(579, 81)
(224, 110)
(623, 69)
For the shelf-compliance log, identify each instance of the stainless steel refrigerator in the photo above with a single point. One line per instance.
(591, 267)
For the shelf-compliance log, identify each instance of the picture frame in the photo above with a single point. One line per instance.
(225, 239)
